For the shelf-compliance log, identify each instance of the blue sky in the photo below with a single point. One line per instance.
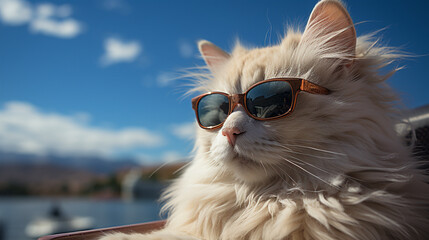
(97, 77)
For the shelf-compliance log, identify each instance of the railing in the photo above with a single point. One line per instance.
(96, 233)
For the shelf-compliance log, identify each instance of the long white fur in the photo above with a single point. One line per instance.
(334, 169)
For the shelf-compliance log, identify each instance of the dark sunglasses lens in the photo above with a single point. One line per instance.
(270, 99)
(213, 109)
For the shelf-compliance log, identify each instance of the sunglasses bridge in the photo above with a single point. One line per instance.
(236, 99)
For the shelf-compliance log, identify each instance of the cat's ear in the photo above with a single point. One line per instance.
(212, 55)
(330, 25)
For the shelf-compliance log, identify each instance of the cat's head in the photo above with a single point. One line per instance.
(308, 143)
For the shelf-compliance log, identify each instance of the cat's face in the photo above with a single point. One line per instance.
(262, 149)
(291, 147)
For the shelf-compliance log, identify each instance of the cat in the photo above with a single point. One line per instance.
(334, 168)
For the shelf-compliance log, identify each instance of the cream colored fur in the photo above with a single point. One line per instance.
(334, 169)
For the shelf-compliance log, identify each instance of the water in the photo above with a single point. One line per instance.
(16, 213)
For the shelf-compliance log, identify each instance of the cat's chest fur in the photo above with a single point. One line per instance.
(233, 211)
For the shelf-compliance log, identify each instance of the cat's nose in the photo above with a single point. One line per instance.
(231, 134)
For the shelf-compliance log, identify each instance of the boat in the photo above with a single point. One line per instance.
(57, 222)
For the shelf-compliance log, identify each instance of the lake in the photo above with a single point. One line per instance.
(16, 213)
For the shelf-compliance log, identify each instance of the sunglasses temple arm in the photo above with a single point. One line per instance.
(313, 88)
(194, 102)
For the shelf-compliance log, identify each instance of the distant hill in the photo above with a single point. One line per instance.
(92, 164)
(43, 178)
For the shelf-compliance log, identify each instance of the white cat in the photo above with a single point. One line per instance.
(333, 168)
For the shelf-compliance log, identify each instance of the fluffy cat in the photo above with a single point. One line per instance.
(333, 169)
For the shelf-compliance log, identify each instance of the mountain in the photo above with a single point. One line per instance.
(96, 165)
(43, 178)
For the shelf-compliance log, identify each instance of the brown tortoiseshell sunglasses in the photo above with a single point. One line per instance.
(266, 100)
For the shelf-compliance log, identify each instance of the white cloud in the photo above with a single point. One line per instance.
(65, 29)
(45, 18)
(165, 78)
(15, 12)
(25, 129)
(186, 49)
(171, 156)
(120, 51)
(47, 21)
(146, 159)
(184, 131)
(47, 10)
(116, 5)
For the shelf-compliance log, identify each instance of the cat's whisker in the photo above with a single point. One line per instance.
(287, 146)
(274, 144)
(308, 172)
(316, 142)
(282, 171)
(306, 154)
(311, 165)
(182, 167)
(281, 175)
(263, 166)
(318, 149)
(157, 169)
(307, 163)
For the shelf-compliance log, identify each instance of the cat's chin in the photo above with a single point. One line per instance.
(243, 162)
(239, 161)
(247, 169)
(246, 162)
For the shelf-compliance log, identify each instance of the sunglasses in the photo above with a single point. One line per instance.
(267, 100)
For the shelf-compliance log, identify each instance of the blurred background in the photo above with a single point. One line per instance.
(93, 121)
